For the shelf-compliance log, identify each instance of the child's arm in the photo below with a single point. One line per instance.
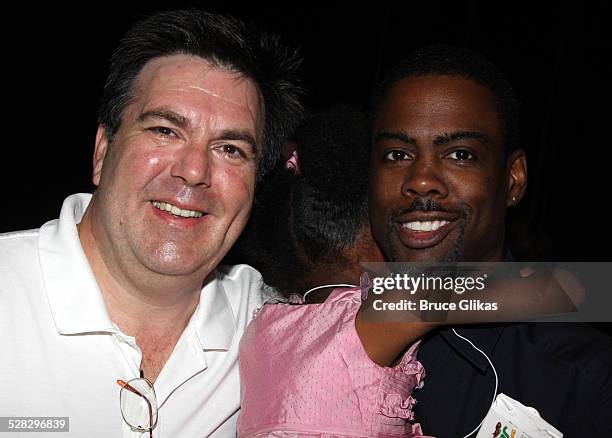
(540, 293)
(384, 342)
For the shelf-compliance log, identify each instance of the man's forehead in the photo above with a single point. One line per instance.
(439, 104)
(440, 84)
(194, 79)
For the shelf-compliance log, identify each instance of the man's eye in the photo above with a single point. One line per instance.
(461, 155)
(163, 131)
(232, 151)
(397, 156)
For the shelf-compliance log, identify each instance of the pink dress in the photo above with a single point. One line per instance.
(304, 373)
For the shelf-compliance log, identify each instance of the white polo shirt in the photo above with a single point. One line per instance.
(61, 355)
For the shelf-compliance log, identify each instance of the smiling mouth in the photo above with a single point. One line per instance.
(424, 226)
(424, 234)
(176, 211)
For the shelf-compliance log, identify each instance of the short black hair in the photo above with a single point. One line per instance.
(330, 197)
(223, 41)
(442, 59)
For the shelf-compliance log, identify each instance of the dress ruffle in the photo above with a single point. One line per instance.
(394, 397)
(393, 405)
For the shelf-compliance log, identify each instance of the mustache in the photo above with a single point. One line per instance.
(428, 205)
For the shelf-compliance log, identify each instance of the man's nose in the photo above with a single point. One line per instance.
(424, 178)
(192, 165)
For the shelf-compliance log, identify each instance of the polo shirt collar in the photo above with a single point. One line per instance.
(75, 300)
(214, 320)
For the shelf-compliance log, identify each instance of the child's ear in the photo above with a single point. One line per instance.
(517, 177)
(99, 154)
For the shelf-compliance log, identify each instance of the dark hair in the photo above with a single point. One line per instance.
(303, 222)
(224, 41)
(460, 61)
(330, 198)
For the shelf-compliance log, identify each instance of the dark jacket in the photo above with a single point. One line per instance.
(562, 370)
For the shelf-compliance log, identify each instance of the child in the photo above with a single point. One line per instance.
(305, 372)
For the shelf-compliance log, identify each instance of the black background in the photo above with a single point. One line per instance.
(556, 56)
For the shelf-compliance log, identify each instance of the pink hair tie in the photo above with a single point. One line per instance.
(293, 165)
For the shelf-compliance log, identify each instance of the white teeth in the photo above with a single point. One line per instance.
(424, 225)
(173, 209)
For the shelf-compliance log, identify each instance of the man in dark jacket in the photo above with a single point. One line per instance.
(445, 167)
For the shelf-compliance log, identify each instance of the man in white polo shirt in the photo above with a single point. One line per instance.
(125, 284)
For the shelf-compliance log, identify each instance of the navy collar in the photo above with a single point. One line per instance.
(484, 337)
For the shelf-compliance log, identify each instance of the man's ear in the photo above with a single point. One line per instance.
(99, 154)
(517, 177)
